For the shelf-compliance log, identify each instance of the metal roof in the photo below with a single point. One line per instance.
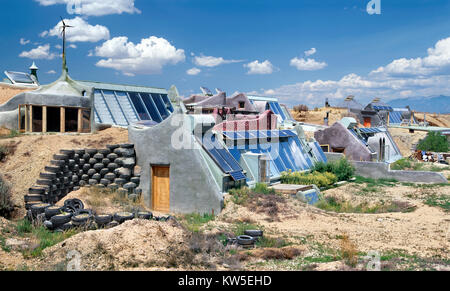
(121, 87)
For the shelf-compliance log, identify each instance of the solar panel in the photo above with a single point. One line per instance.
(395, 117)
(369, 130)
(19, 77)
(237, 176)
(388, 108)
(206, 91)
(221, 156)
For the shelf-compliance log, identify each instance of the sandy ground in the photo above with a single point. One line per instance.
(424, 231)
(317, 116)
(406, 140)
(33, 152)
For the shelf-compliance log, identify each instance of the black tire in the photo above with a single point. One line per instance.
(120, 181)
(36, 190)
(98, 166)
(80, 219)
(254, 232)
(102, 220)
(112, 166)
(33, 198)
(145, 215)
(53, 169)
(61, 219)
(104, 152)
(105, 162)
(61, 157)
(112, 156)
(68, 153)
(91, 152)
(92, 161)
(135, 180)
(121, 217)
(127, 145)
(112, 224)
(245, 240)
(52, 211)
(112, 146)
(105, 182)
(58, 163)
(66, 226)
(80, 152)
(97, 177)
(86, 157)
(48, 224)
(99, 157)
(39, 208)
(113, 186)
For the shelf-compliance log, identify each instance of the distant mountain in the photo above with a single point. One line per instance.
(438, 104)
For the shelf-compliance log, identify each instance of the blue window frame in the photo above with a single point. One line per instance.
(139, 105)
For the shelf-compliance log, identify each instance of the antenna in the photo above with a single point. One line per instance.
(63, 32)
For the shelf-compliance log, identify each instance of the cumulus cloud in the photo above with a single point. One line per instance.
(436, 62)
(257, 68)
(95, 7)
(210, 61)
(80, 32)
(403, 77)
(307, 65)
(310, 52)
(51, 72)
(147, 57)
(193, 71)
(24, 41)
(41, 52)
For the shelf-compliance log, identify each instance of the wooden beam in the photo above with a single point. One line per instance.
(44, 119)
(80, 120)
(62, 120)
(31, 118)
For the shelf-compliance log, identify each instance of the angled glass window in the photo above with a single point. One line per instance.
(101, 109)
(151, 107)
(167, 102)
(140, 107)
(115, 108)
(157, 99)
(127, 107)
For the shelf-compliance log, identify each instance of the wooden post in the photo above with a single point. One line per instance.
(44, 119)
(26, 118)
(62, 119)
(31, 119)
(80, 120)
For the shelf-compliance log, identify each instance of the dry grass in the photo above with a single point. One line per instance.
(349, 251)
(286, 253)
(102, 200)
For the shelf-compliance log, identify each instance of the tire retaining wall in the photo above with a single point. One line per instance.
(111, 167)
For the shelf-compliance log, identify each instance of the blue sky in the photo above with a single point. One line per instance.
(299, 51)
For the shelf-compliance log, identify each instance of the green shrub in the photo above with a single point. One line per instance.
(262, 188)
(24, 226)
(301, 178)
(6, 203)
(402, 164)
(342, 169)
(239, 196)
(434, 142)
(195, 221)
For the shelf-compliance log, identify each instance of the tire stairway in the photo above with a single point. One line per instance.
(111, 167)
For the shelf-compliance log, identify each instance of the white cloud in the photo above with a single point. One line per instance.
(310, 52)
(307, 65)
(51, 72)
(24, 41)
(210, 61)
(95, 7)
(41, 52)
(436, 62)
(263, 68)
(147, 57)
(417, 77)
(72, 46)
(80, 32)
(193, 71)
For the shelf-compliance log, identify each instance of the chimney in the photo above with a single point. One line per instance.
(33, 70)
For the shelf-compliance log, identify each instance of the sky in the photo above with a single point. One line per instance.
(299, 51)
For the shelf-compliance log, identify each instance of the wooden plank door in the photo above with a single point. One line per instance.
(161, 188)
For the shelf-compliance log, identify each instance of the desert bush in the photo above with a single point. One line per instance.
(195, 221)
(301, 178)
(434, 142)
(6, 203)
(349, 251)
(342, 169)
(240, 196)
(262, 188)
(300, 108)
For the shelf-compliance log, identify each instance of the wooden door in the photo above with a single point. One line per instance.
(161, 188)
(367, 122)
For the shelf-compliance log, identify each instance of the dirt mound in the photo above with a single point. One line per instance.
(316, 116)
(33, 152)
(133, 244)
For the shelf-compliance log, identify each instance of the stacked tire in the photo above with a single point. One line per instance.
(111, 167)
